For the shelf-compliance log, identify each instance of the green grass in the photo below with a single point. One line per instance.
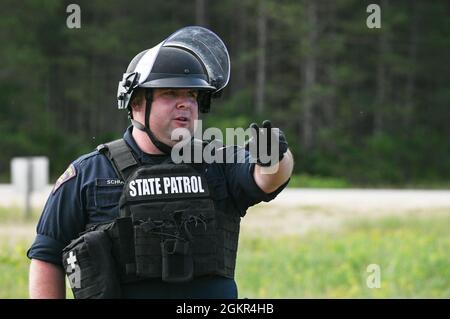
(309, 181)
(14, 270)
(14, 266)
(316, 181)
(413, 254)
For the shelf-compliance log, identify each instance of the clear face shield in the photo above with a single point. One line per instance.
(203, 43)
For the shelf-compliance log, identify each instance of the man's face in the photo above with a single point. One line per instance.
(171, 109)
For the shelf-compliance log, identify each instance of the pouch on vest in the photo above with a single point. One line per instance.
(177, 262)
(89, 265)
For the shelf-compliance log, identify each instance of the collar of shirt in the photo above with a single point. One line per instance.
(143, 157)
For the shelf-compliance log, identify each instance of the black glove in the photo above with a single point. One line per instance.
(270, 137)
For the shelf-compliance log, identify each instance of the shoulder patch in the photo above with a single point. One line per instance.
(67, 175)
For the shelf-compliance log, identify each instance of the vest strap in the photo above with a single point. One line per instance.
(120, 155)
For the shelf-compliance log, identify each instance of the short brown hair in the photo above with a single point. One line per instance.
(137, 96)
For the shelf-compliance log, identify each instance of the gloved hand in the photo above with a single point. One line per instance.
(262, 142)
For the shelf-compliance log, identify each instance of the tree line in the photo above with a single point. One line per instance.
(370, 106)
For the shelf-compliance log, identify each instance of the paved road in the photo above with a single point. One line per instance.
(354, 198)
(10, 197)
(370, 198)
(297, 211)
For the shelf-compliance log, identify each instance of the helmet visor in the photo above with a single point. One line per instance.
(203, 43)
(209, 48)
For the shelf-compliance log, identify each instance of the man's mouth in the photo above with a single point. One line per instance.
(182, 119)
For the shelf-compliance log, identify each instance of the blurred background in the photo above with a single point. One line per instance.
(366, 112)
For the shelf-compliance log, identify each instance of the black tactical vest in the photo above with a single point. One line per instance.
(168, 228)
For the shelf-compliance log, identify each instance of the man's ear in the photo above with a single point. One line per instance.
(135, 105)
(138, 100)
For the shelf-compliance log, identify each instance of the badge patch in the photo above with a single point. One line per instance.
(68, 174)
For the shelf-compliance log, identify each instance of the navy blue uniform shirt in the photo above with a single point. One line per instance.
(87, 194)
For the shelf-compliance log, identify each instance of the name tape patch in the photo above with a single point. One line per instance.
(108, 182)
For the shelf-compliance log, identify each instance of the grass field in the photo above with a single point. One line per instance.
(413, 255)
(412, 252)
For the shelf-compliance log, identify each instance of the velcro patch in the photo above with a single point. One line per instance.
(67, 175)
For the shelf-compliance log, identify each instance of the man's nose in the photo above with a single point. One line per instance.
(184, 102)
(182, 106)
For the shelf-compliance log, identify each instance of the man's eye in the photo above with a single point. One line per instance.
(173, 93)
(169, 93)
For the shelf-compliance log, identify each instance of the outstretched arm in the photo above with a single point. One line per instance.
(269, 179)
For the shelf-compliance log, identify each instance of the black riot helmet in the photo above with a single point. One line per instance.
(177, 68)
(191, 58)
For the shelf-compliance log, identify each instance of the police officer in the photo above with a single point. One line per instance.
(133, 223)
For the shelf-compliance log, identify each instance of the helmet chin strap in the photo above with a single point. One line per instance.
(148, 105)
